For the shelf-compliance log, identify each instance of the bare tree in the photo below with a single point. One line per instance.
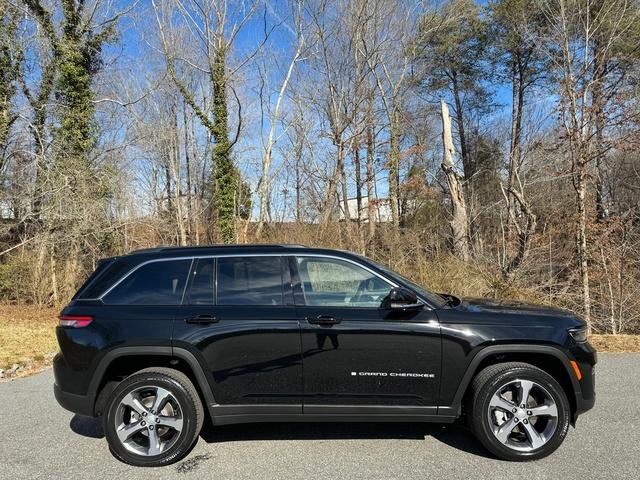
(212, 25)
(459, 218)
(274, 117)
(582, 36)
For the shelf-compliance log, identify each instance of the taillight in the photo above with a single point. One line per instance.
(75, 321)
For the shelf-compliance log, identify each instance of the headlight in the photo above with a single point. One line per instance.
(579, 334)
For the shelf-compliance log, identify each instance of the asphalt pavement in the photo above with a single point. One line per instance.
(40, 440)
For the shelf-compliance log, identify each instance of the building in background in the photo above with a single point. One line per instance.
(382, 209)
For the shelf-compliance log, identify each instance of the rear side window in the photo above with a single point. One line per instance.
(101, 267)
(249, 281)
(156, 283)
(203, 282)
(106, 274)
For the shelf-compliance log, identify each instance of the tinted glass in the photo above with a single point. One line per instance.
(103, 278)
(434, 298)
(157, 283)
(337, 283)
(250, 281)
(101, 267)
(201, 292)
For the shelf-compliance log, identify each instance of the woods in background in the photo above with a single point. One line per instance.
(482, 149)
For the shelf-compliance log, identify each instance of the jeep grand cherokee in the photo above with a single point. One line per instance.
(157, 339)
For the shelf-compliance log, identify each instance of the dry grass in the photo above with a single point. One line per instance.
(27, 334)
(616, 343)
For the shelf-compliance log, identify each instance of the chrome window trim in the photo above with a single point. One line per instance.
(348, 260)
(226, 255)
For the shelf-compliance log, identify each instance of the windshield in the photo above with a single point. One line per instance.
(432, 298)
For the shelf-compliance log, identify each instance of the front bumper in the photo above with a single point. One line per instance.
(586, 357)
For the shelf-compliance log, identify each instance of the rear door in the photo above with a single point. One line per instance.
(360, 358)
(141, 306)
(239, 319)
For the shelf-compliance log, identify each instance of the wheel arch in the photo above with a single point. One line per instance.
(548, 358)
(123, 361)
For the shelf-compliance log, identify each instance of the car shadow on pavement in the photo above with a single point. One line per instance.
(456, 436)
(87, 426)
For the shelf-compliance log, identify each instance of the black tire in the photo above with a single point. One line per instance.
(488, 382)
(191, 411)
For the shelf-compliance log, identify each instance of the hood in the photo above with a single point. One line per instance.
(511, 307)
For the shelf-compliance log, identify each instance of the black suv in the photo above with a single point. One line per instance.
(281, 333)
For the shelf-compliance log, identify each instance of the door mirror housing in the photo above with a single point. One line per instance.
(400, 298)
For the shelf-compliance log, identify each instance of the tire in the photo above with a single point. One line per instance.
(129, 421)
(511, 435)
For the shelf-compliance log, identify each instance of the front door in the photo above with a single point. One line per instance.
(239, 317)
(358, 357)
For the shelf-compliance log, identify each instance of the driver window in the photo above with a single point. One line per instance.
(337, 283)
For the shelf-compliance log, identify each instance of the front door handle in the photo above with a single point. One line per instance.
(202, 319)
(324, 320)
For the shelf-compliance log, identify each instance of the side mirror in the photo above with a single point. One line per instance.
(400, 298)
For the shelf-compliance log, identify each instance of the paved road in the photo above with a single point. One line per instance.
(40, 440)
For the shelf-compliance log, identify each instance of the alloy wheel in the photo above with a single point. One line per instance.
(148, 420)
(523, 415)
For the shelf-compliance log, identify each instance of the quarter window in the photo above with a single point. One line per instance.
(337, 283)
(156, 283)
(249, 281)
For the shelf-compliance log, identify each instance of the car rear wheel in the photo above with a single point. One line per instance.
(153, 417)
(518, 411)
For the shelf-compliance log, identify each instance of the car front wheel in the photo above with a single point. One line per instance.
(153, 417)
(518, 412)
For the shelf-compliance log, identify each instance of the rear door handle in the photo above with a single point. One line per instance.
(202, 319)
(324, 320)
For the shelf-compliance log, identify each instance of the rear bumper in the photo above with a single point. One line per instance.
(68, 388)
(74, 403)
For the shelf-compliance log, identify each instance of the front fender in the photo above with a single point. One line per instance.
(455, 407)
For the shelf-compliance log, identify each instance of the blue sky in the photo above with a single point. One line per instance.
(133, 53)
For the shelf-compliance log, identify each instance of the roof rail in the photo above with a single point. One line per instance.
(163, 248)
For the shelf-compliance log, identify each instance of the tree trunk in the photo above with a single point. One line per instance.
(517, 81)
(600, 71)
(464, 151)
(263, 188)
(459, 218)
(394, 165)
(521, 218)
(581, 241)
(345, 190)
(370, 144)
(332, 188)
(39, 106)
(167, 181)
(187, 160)
(54, 280)
(298, 158)
(357, 167)
(224, 175)
(177, 175)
